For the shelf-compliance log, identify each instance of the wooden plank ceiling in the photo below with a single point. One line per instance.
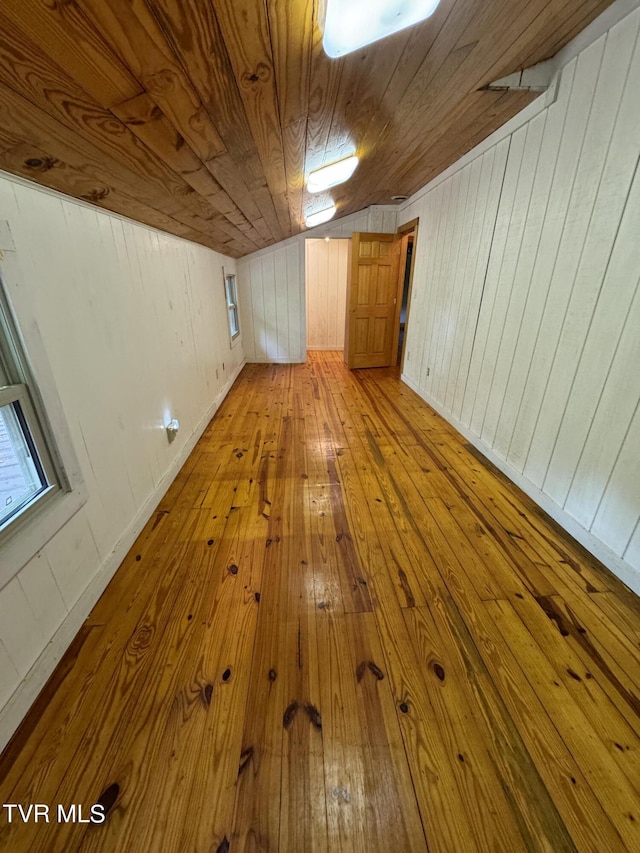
(202, 117)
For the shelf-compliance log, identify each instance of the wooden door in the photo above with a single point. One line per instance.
(372, 296)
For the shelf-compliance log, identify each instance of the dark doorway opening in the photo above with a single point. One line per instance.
(405, 296)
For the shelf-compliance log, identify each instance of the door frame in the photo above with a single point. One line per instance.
(405, 231)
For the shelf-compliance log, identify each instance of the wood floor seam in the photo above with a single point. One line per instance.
(341, 631)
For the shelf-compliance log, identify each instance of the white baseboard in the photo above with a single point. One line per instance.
(287, 360)
(623, 570)
(27, 691)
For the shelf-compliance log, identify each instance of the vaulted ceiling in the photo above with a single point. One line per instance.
(202, 117)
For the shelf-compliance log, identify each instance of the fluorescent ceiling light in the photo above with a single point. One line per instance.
(351, 24)
(320, 216)
(332, 175)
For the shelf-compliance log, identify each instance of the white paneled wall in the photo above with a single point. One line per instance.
(272, 304)
(272, 288)
(524, 326)
(326, 292)
(133, 323)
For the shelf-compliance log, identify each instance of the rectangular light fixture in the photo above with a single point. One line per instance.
(351, 24)
(320, 216)
(332, 175)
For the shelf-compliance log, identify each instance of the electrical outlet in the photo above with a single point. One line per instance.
(172, 429)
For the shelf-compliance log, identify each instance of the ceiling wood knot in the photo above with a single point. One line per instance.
(161, 83)
(183, 190)
(96, 195)
(262, 74)
(41, 164)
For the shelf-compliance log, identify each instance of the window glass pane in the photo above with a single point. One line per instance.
(230, 286)
(233, 321)
(21, 474)
(232, 304)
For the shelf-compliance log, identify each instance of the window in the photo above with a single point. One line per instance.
(232, 304)
(28, 475)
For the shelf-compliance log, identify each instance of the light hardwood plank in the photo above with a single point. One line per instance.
(339, 631)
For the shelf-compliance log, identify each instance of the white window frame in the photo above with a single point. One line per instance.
(12, 395)
(230, 281)
(25, 362)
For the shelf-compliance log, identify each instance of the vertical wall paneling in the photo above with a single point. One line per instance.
(600, 190)
(632, 553)
(524, 324)
(276, 325)
(491, 165)
(19, 632)
(453, 251)
(617, 516)
(133, 326)
(281, 302)
(459, 296)
(550, 196)
(609, 427)
(9, 678)
(295, 298)
(269, 290)
(519, 251)
(326, 292)
(549, 272)
(508, 232)
(598, 307)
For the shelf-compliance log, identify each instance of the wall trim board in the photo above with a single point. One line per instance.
(619, 567)
(286, 360)
(17, 707)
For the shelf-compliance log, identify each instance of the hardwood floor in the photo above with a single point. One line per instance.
(341, 630)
